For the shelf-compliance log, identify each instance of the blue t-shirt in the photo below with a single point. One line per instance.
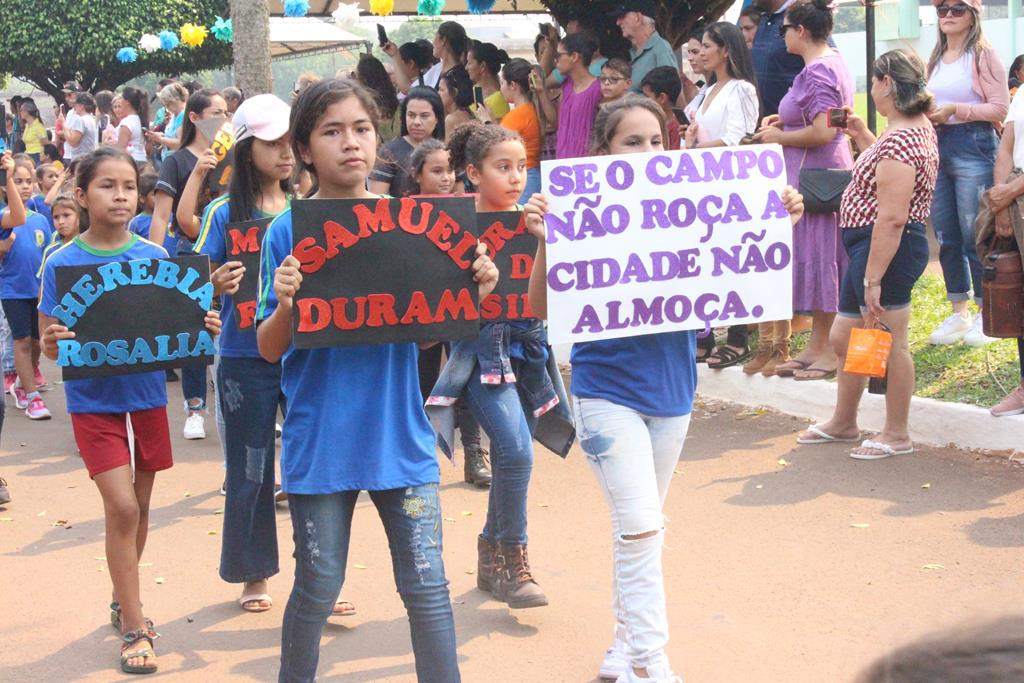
(140, 226)
(39, 205)
(120, 393)
(654, 374)
(234, 343)
(19, 274)
(355, 413)
(53, 246)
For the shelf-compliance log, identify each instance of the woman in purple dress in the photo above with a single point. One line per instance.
(802, 128)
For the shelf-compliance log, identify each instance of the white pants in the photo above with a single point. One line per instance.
(633, 457)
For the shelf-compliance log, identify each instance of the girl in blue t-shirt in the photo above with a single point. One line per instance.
(22, 254)
(632, 399)
(355, 419)
(107, 190)
(503, 376)
(248, 387)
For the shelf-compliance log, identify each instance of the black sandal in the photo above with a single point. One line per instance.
(703, 354)
(129, 641)
(727, 358)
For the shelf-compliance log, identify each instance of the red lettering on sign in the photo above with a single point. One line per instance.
(497, 235)
(490, 307)
(507, 307)
(444, 228)
(377, 220)
(335, 234)
(246, 312)
(244, 243)
(314, 314)
(405, 220)
(341, 320)
(418, 310)
(382, 310)
(457, 306)
(311, 256)
(522, 266)
(467, 245)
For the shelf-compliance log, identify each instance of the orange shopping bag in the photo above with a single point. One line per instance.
(867, 353)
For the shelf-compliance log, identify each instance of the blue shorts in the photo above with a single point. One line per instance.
(904, 270)
(23, 317)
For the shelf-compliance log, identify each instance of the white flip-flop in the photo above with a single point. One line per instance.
(257, 598)
(821, 436)
(885, 449)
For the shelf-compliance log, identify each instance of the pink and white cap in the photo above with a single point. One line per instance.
(264, 117)
(976, 4)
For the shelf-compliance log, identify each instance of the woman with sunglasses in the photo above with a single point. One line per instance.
(969, 83)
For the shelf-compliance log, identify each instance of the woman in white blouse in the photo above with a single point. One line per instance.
(726, 114)
(729, 109)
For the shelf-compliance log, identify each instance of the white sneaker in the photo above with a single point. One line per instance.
(976, 337)
(194, 427)
(614, 664)
(661, 674)
(952, 329)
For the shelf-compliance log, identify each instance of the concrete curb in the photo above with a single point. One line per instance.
(938, 423)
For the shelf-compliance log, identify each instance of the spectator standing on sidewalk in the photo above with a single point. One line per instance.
(636, 20)
(968, 80)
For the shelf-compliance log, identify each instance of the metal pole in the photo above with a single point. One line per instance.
(869, 30)
(1013, 9)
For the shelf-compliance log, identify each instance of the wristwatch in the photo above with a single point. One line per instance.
(872, 283)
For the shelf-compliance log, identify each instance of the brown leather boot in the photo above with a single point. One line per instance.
(486, 568)
(780, 355)
(515, 584)
(761, 357)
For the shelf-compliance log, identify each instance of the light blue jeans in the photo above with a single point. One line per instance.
(532, 184)
(967, 156)
(7, 352)
(633, 457)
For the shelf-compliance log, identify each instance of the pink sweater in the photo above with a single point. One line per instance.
(988, 80)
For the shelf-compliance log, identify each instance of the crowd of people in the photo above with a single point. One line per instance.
(112, 182)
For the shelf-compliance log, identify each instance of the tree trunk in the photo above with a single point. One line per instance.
(251, 22)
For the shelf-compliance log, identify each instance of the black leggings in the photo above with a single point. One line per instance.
(737, 336)
(1020, 356)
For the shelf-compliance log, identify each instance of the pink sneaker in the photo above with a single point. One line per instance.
(9, 379)
(40, 380)
(20, 397)
(1013, 404)
(37, 410)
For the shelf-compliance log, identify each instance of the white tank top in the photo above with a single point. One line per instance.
(952, 83)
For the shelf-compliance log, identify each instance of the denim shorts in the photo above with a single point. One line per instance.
(906, 267)
(23, 317)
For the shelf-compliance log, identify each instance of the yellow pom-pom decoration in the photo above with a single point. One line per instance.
(382, 8)
(193, 35)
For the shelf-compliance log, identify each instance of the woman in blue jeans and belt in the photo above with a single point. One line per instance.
(968, 81)
(882, 219)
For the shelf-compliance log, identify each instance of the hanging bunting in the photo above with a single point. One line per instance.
(430, 8)
(479, 6)
(149, 42)
(347, 14)
(222, 30)
(126, 55)
(382, 8)
(296, 8)
(193, 35)
(168, 40)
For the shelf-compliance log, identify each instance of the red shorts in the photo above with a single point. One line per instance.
(102, 439)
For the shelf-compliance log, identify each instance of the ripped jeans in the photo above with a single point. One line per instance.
(249, 395)
(633, 457)
(321, 525)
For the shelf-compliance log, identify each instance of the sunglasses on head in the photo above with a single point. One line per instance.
(957, 10)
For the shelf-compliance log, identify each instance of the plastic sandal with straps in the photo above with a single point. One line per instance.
(115, 618)
(129, 651)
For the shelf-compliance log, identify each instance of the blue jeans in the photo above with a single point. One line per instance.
(321, 526)
(193, 377)
(967, 155)
(249, 397)
(532, 184)
(499, 410)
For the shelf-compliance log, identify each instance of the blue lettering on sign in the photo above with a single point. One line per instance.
(184, 345)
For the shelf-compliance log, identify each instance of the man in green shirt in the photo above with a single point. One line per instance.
(635, 18)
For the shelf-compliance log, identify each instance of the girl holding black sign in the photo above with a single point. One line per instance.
(509, 379)
(355, 419)
(107, 192)
(632, 399)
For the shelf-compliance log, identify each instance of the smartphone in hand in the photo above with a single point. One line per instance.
(382, 35)
(478, 95)
(837, 118)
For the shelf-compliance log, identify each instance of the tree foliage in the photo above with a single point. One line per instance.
(676, 18)
(50, 42)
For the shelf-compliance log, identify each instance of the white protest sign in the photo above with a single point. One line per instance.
(665, 241)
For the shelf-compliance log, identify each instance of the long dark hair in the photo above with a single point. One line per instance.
(489, 55)
(86, 172)
(430, 95)
(197, 103)
(245, 187)
(455, 35)
(416, 53)
(311, 104)
(374, 76)
(729, 37)
(139, 100)
(460, 87)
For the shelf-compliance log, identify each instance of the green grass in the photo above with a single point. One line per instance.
(860, 107)
(956, 372)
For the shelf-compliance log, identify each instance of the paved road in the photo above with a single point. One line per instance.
(768, 577)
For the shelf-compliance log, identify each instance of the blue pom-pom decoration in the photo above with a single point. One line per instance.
(480, 6)
(430, 8)
(126, 55)
(169, 40)
(296, 8)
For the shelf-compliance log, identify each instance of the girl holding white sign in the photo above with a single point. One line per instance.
(632, 399)
(107, 192)
(510, 380)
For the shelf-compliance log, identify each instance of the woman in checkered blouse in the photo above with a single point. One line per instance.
(882, 219)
